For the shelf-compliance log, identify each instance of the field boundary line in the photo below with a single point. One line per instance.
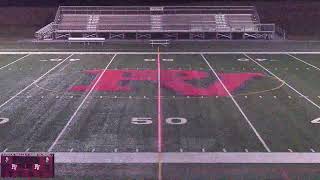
(14, 61)
(152, 52)
(302, 95)
(304, 62)
(183, 157)
(34, 82)
(80, 106)
(238, 106)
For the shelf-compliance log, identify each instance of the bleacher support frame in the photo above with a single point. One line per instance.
(196, 31)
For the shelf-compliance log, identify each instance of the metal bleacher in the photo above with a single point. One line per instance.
(168, 23)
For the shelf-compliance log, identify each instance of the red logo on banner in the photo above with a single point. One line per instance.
(175, 80)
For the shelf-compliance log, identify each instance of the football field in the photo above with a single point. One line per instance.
(159, 102)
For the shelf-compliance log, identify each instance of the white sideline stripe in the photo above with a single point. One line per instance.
(34, 82)
(81, 104)
(152, 52)
(305, 97)
(304, 62)
(186, 157)
(238, 106)
(15, 61)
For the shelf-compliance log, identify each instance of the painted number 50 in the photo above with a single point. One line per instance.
(146, 120)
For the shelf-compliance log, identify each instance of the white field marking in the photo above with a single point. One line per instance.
(115, 149)
(238, 106)
(316, 105)
(55, 60)
(261, 59)
(203, 150)
(243, 59)
(5, 150)
(152, 52)
(27, 150)
(149, 60)
(224, 150)
(316, 121)
(93, 150)
(275, 97)
(304, 62)
(43, 60)
(312, 150)
(319, 97)
(34, 82)
(81, 104)
(14, 61)
(181, 150)
(137, 150)
(71, 150)
(246, 150)
(289, 97)
(72, 60)
(290, 150)
(168, 60)
(186, 157)
(4, 120)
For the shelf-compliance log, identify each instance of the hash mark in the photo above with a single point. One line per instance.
(27, 150)
(290, 150)
(181, 150)
(137, 150)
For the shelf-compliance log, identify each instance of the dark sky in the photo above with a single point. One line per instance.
(108, 2)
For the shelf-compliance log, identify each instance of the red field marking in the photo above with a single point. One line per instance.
(175, 80)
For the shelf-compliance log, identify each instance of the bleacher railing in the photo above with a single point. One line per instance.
(164, 28)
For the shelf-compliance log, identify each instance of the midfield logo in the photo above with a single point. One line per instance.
(175, 80)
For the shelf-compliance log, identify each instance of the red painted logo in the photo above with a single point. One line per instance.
(175, 80)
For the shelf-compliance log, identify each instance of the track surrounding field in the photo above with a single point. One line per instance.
(166, 102)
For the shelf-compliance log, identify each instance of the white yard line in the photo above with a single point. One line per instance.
(80, 106)
(34, 82)
(238, 106)
(151, 52)
(15, 61)
(304, 62)
(302, 95)
(185, 157)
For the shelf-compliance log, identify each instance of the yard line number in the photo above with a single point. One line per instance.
(4, 120)
(148, 120)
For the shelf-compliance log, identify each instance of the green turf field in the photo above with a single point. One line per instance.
(272, 112)
(122, 103)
